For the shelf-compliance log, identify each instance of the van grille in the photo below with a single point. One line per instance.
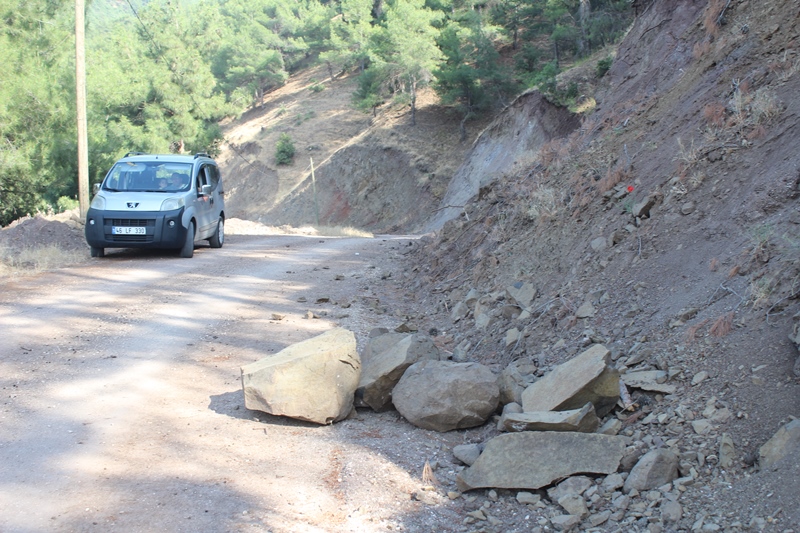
(137, 222)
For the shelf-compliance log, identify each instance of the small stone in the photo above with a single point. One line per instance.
(611, 427)
(599, 244)
(702, 427)
(565, 522)
(613, 482)
(671, 511)
(699, 378)
(453, 495)
(528, 498)
(727, 451)
(587, 310)
(688, 208)
(477, 514)
(467, 453)
(599, 518)
(574, 505)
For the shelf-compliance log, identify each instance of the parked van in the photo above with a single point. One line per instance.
(157, 201)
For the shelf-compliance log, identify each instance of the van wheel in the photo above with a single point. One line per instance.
(188, 246)
(218, 239)
(97, 252)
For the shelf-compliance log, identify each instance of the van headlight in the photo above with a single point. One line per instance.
(170, 204)
(98, 202)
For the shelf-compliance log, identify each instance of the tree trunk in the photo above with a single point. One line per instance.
(414, 103)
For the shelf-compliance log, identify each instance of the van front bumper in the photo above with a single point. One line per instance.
(138, 229)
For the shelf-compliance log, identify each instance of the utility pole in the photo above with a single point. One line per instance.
(80, 87)
(314, 188)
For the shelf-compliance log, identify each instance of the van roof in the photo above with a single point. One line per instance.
(166, 158)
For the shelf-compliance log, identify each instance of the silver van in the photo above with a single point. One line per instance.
(157, 201)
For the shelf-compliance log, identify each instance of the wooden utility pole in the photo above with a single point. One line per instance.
(80, 87)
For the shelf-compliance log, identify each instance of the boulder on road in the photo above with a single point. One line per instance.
(313, 380)
(382, 371)
(443, 395)
(532, 459)
(588, 377)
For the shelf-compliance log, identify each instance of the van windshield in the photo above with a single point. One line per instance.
(155, 176)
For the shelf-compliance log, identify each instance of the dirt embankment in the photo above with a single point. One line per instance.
(673, 210)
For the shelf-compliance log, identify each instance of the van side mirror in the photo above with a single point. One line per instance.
(206, 190)
(95, 188)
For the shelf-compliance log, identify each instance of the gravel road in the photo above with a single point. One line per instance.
(122, 408)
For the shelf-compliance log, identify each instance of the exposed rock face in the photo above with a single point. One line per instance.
(582, 420)
(531, 460)
(518, 133)
(443, 395)
(587, 377)
(314, 380)
(383, 370)
(655, 468)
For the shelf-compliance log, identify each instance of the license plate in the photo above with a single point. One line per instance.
(128, 230)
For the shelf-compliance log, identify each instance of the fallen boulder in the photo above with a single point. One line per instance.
(581, 420)
(588, 377)
(313, 380)
(655, 468)
(382, 371)
(531, 460)
(443, 395)
(785, 441)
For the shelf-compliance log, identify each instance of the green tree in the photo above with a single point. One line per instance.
(284, 150)
(471, 77)
(411, 53)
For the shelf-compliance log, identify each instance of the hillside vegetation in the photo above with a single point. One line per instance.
(162, 74)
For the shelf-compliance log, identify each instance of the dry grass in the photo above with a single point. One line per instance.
(34, 260)
(712, 15)
(714, 114)
(722, 325)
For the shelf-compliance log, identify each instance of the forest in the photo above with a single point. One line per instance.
(162, 74)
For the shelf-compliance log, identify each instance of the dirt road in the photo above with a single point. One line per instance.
(122, 408)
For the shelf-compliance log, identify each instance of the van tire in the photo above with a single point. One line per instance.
(97, 252)
(218, 239)
(187, 250)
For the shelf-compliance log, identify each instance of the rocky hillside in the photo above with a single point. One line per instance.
(662, 222)
(665, 226)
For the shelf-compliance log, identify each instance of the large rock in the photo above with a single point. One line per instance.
(443, 395)
(313, 380)
(655, 468)
(380, 343)
(588, 377)
(582, 420)
(531, 460)
(785, 441)
(382, 371)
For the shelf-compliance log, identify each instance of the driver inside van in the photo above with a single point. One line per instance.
(177, 181)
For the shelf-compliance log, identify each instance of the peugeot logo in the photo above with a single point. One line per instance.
(132, 205)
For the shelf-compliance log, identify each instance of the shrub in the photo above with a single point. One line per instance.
(603, 66)
(65, 203)
(284, 150)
